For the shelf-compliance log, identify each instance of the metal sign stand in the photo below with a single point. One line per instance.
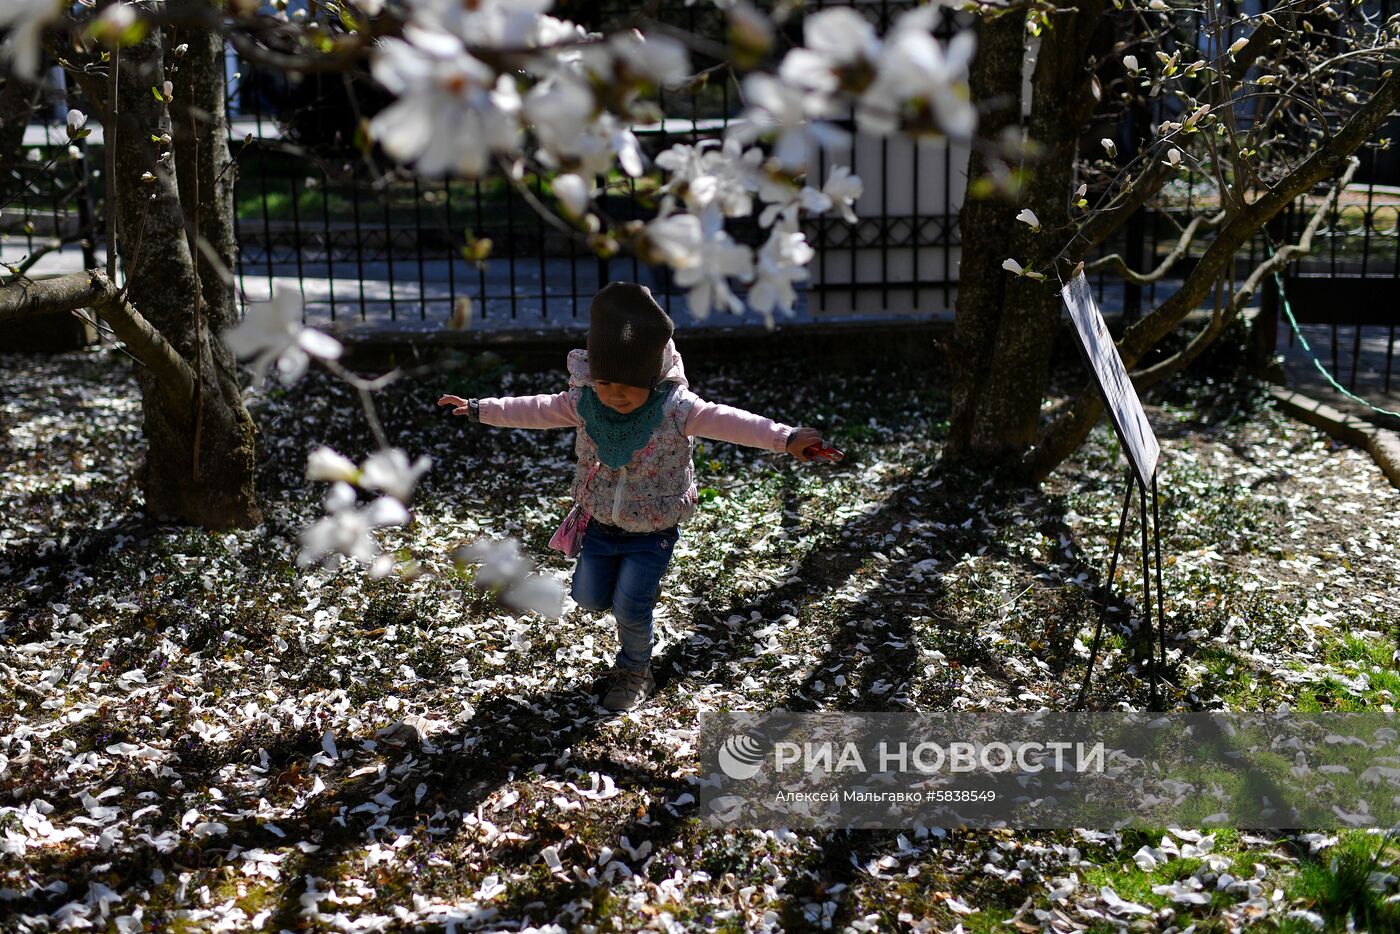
(1142, 450)
(1150, 560)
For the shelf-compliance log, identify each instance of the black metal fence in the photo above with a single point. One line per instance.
(368, 244)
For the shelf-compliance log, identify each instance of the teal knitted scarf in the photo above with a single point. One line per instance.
(618, 435)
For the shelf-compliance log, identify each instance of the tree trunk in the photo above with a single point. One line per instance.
(17, 101)
(199, 470)
(1005, 326)
(985, 224)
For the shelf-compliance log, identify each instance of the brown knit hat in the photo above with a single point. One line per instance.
(627, 332)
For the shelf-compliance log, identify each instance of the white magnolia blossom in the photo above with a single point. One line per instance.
(325, 463)
(781, 262)
(117, 19)
(494, 23)
(841, 35)
(909, 65)
(273, 331)
(503, 566)
(561, 112)
(573, 193)
(1027, 217)
(844, 189)
(452, 110)
(913, 66)
(660, 60)
(794, 114)
(786, 200)
(711, 172)
(387, 470)
(77, 121)
(345, 530)
(25, 20)
(454, 113)
(833, 38)
(390, 472)
(1010, 265)
(703, 256)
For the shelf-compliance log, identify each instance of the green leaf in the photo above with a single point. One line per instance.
(362, 140)
(347, 19)
(155, 92)
(133, 33)
(982, 188)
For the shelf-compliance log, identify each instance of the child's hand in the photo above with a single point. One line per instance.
(802, 439)
(459, 404)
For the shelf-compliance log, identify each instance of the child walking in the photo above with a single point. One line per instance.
(636, 417)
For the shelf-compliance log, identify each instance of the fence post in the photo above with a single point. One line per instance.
(1132, 292)
(1263, 333)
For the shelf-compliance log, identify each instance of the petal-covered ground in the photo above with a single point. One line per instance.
(196, 735)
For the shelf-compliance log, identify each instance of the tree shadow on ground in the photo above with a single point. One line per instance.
(512, 733)
(841, 862)
(40, 573)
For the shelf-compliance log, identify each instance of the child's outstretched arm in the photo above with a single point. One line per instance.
(547, 410)
(727, 423)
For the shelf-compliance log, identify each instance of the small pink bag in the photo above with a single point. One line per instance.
(568, 538)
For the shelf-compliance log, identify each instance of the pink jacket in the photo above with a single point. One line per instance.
(661, 491)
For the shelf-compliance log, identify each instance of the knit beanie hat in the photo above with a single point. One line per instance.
(627, 332)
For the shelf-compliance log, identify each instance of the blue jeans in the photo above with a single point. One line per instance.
(623, 574)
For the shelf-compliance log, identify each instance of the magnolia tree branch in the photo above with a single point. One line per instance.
(1120, 265)
(18, 270)
(1104, 223)
(1136, 192)
(1067, 431)
(92, 289)
(1223, 317)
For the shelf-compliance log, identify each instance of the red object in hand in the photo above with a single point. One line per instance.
(817, 449)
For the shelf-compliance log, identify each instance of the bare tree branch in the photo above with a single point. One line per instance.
(1106, 221)
(1069, 429)
(1159, 371)
(92, 289)
(1120, 265)
(19, 269)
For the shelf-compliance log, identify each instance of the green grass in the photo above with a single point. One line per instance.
(1337, 887)
(452, 639)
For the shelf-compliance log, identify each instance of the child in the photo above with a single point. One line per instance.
(635, 414)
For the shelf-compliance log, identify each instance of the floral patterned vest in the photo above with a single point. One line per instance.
(653, 491)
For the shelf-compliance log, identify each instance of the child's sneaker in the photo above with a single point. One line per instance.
(628, 688)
